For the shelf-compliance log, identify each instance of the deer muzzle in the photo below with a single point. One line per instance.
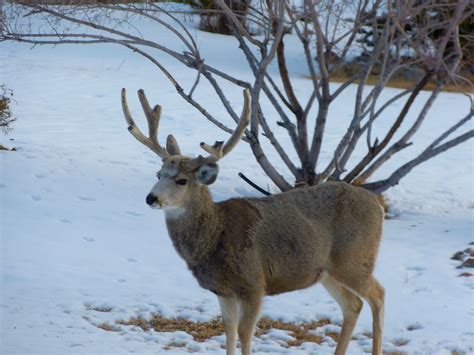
(151, 200)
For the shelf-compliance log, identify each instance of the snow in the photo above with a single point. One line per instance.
(80, 248)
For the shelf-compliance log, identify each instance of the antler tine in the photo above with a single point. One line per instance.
(153, 118)
(219, 149)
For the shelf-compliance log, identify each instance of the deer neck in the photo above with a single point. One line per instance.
(194, 228)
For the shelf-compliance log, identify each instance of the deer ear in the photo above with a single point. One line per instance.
(207, 173)
(172, 146)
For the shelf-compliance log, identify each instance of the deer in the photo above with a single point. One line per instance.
(243, 249)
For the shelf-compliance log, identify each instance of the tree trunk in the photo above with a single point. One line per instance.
(214, 20)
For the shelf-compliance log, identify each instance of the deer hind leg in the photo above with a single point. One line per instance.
(376, 299)
(350, 304)
(230, 318)
(369, 289)
(249, 311)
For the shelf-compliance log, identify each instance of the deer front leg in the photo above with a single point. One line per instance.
(230, 318)
(249, 311)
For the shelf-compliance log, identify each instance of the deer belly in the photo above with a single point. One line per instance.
(276, 284)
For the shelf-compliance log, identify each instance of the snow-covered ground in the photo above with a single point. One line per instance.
(79, 247)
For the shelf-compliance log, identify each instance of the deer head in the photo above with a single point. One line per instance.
(181, 175)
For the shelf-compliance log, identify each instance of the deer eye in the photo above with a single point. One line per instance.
(158, 175)
(181, 181)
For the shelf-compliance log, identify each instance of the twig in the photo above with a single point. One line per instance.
(254, 185)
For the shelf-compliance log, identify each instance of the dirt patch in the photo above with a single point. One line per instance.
(202, 331)
(2, 147)
(466, 260)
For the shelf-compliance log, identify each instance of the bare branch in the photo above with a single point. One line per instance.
(305, 40)
(254, 185)
(280, 150)
(374, 151)
(403, 142)
(431, 151)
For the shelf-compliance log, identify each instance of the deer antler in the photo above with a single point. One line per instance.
(219, 149)
(216, 151)
(153, 118)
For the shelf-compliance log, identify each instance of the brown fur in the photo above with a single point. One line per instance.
(243, 249)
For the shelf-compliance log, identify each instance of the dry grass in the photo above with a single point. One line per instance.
(399, 82)
(104, 309)
(108, 327)
(300, 331)
(175, 344)
(202, 331)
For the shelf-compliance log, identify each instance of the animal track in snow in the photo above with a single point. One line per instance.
(75, 345)
(414, 326)
(36, 197)
(412, 274)
(89, 239)
(400, 341)
(135, 214)
(65, 220)
(85, 198)
(118, 162)
(132, 260)
(417, 270)
(422, 289)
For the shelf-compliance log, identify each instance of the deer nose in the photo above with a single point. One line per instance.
(151, 199)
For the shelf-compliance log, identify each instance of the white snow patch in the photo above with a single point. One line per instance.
(80, 248)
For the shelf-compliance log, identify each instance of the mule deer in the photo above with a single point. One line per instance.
(245, 248)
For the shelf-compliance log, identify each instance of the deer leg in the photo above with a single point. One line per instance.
(350, 304)
(249, 311)
(376, 300)
(230, 318)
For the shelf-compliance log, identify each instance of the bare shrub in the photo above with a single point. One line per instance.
(327, 30)
(6, 117)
